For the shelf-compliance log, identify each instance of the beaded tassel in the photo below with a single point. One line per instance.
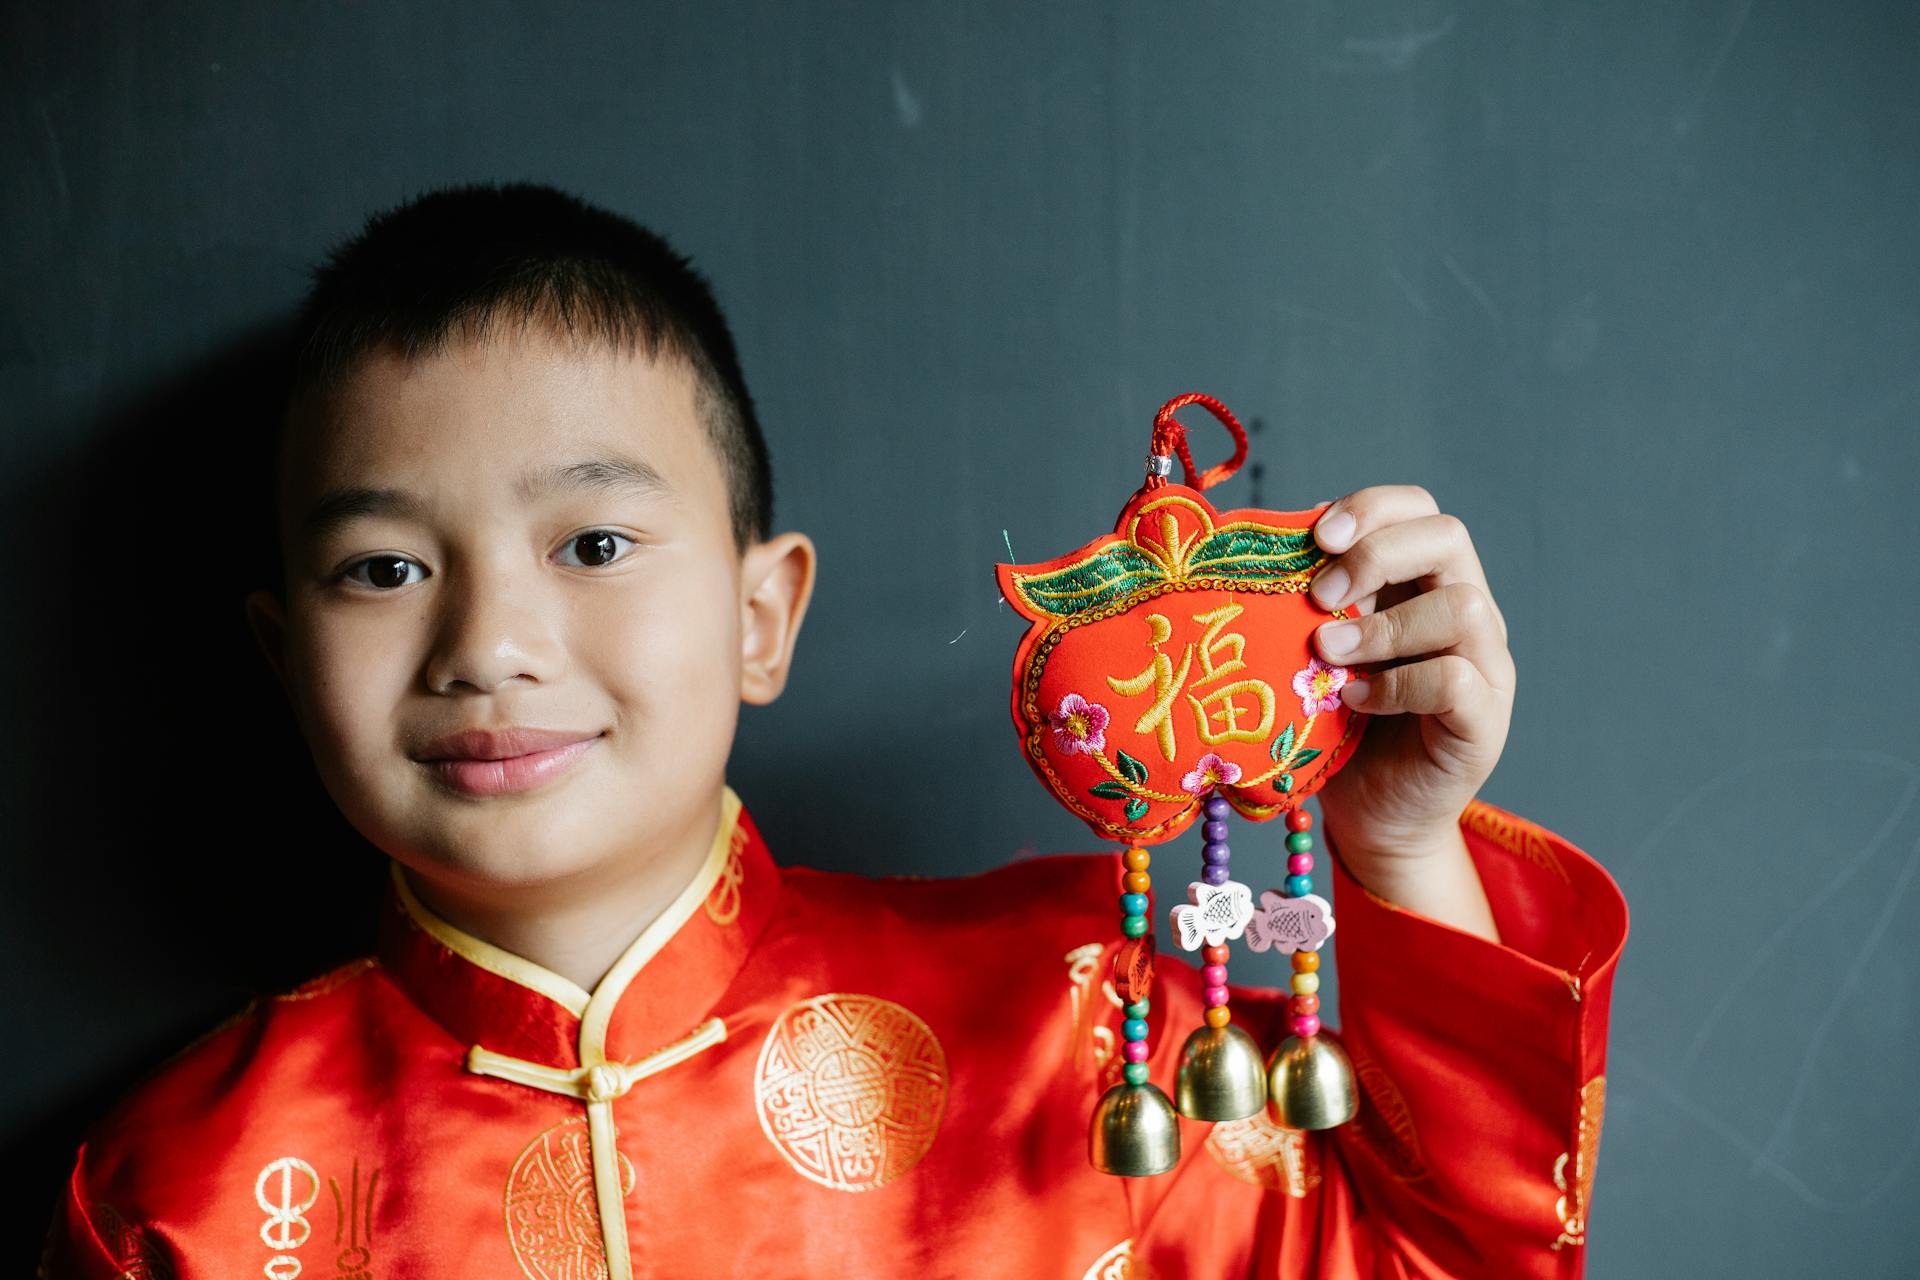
(1306, 964)
(1135, 1131)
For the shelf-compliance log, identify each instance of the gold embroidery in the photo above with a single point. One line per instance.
(353, 1225)
(132, 1250)
(1118, 1263)
(551, 1205)
(1163, 680)
(851, 1089)
(1083, 962)
(723, 903)
(1577, 1190)
(1259, 1151)
(1385, 1123)
(285, 1189)
(1515, 835)
(330, 980)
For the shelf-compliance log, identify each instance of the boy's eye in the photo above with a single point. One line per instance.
(598, 547)
(384, 573)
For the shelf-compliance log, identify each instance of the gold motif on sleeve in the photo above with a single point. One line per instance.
(1522, 839)
(285, 1189)
(723, 900)
(1259, 1151)
(553, 1215)
(1576, 1185)
(131, 1248)
(1385, 1123)
(850, 1089)
(1118, 1263)
(1090, 1035)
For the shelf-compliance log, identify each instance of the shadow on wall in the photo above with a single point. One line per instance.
(175, 852)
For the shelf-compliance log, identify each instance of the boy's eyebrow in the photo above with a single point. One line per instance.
(603, 473)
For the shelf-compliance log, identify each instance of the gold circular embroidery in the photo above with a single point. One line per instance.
(1385, 1123)
(553, 1214)
(1578, 1188)
(1259, 1151)
(723, 900)
(851, 1089)
(1118, 1263)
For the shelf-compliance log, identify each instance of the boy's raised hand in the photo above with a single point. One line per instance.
(1442, 705)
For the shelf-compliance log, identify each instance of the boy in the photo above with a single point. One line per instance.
(529, 576)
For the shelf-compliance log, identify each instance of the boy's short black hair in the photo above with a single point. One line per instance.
(457, 261)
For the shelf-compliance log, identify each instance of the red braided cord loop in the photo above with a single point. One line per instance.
(1169, 437)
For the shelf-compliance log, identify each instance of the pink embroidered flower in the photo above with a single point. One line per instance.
(1211, 772)
(1319, 686)
(1079, 726)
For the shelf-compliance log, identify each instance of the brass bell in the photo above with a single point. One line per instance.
(1135, 1132)
(1310, 1084)
(1221, 1076)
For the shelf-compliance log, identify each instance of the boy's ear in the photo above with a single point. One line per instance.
(267, 619)
(776, 581)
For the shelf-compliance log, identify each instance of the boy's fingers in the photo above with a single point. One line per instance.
(1433, 550)
(1368, 509)
(1448, 687)
(1455, 618)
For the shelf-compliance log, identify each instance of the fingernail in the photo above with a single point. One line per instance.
(1330, 587)
(1338, 637)
(1335, 531)
(1355, 692)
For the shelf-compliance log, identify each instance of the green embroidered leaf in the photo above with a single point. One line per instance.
(1255, 554)
(1282, 745)
(1305, 756)
(1286, 782)
(1100, 579)
(1132, 768)
(1109, 791)
(1136, 809)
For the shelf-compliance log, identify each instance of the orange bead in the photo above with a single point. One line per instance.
(1306, 961)
(1215, 955)
(1137, 859)
(1138, 882)
(1219, 1016)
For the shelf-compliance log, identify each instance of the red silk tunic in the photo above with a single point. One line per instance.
(802, 1073)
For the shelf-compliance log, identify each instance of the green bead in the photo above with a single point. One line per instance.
(1136, 1072)
(1138, 1009)
(1133, 926)
(1299, 842)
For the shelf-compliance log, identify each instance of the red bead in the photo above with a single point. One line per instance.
(1215, 955)
(1306, 1004)
(1299, 820)
(1214, 975)
(1300, 864)
(1305, 1025)
(1134, 1050)
(1215, 997)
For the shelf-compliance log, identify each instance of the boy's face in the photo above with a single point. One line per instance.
(553, 551)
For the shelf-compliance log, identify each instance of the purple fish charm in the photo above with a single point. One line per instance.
(1290, 924)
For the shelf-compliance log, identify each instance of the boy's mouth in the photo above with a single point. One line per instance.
(486, 762)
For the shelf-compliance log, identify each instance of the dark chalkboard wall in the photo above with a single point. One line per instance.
(1630, 288)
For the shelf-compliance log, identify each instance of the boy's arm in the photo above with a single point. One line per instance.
(90, 1240)
(1481, 1069)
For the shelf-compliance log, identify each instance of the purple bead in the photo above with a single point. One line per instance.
(1217, 855)
(1218, 808)
(1215, 831)
(1216, 875)
(1214, 975)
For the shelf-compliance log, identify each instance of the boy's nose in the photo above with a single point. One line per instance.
(491, 629)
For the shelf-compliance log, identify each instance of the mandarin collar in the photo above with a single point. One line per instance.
(668, 978)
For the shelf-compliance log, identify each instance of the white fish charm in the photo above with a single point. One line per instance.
(1291, 924)
(1216, 914)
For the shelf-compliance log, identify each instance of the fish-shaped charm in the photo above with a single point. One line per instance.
(1217, 913)
(1290, 924)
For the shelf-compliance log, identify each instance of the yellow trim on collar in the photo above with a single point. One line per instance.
(596, 1009)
